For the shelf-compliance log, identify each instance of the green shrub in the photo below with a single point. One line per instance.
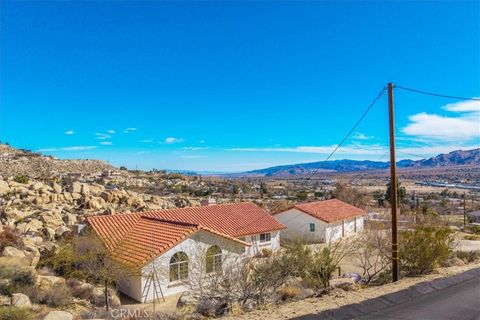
(16, 313)
(424, 248)
(468, 256)
(21, 178)
(321, 270)
(19, 278)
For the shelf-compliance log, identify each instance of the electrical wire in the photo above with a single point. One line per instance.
(380, 94)
(436, 94)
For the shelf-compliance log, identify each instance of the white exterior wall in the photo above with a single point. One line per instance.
(195, 247)
(298, 227)
(257, 246)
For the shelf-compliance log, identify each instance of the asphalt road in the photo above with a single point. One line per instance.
(457, 302)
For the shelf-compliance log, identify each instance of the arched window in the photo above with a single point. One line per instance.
(214, 259)
(179, 266)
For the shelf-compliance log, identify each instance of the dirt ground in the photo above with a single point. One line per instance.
(338, 298)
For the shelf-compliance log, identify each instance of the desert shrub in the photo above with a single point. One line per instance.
(324, 263)
(299, 256)
(80, 290)
(472, 237)
(372, 254)
(468, 256)
(56, 296)
(9, 237)
(16, 313)
(21, 178)
(266, 252)
(424, 248)
(475, 229)
(19, 279)
(288, 292)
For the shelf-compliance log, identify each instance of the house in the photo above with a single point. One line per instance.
(321, 221)
(174, 244)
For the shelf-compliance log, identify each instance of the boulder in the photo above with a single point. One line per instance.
(33, 225)
(4, 188)
(76, 187)
(70, 219)
(108, 196)
(94, 203)
(343, 283)
(57, 188)
(20, 300)
(5, 301)
(96, 189)
(12, 252)
(60, 231)
(48, 282)
(33, 255)
(85, 189)
(58, 315)
(37, 186)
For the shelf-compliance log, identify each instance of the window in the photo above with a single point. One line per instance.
(265, 237)
(179, 267)
(312, 227)
(214, 259)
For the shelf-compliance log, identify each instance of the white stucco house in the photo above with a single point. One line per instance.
(321, 221)
(169, 247)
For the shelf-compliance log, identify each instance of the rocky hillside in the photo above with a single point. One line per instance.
(454, 158)
(25, 162)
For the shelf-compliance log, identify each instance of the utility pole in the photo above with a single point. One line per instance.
(393, 183)
(464, 212)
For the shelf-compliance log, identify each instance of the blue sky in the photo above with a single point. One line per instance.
(235, 85)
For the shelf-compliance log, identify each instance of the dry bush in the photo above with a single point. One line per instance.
(20, 278)
(288, 293)
(80, 290)
(56, 296)
(16, 313)
(372, 253)
(9, 237)
(468, 256)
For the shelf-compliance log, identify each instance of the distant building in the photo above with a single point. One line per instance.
(474, 216)
(321, 221)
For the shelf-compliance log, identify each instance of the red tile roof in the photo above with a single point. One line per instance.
(137, 238)
(233, 219)
(329, 210)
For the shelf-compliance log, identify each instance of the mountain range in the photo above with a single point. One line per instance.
(451, 159)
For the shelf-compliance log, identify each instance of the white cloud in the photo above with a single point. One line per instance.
(103, 136)
(106, 143)
(69, 132)
(360, 149)
(78, 148)
(464, 125)
(361, 136)
(46, 150)
(194, 148)
(201, 141)
(432, 126)
(463, 106)
(128, 130)
(111, 131)
(171, 140)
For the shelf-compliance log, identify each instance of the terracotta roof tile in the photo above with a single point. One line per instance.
(136, 238)
(329, 210)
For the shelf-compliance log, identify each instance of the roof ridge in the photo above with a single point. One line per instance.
(187, 224)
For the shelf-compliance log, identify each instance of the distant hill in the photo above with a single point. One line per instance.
(454, 158)
(25, 162)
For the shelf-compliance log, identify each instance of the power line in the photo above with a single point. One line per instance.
(436, 94)
(380, 94)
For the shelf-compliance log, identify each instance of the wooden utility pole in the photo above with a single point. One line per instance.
(393, 183)
(464, 212)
